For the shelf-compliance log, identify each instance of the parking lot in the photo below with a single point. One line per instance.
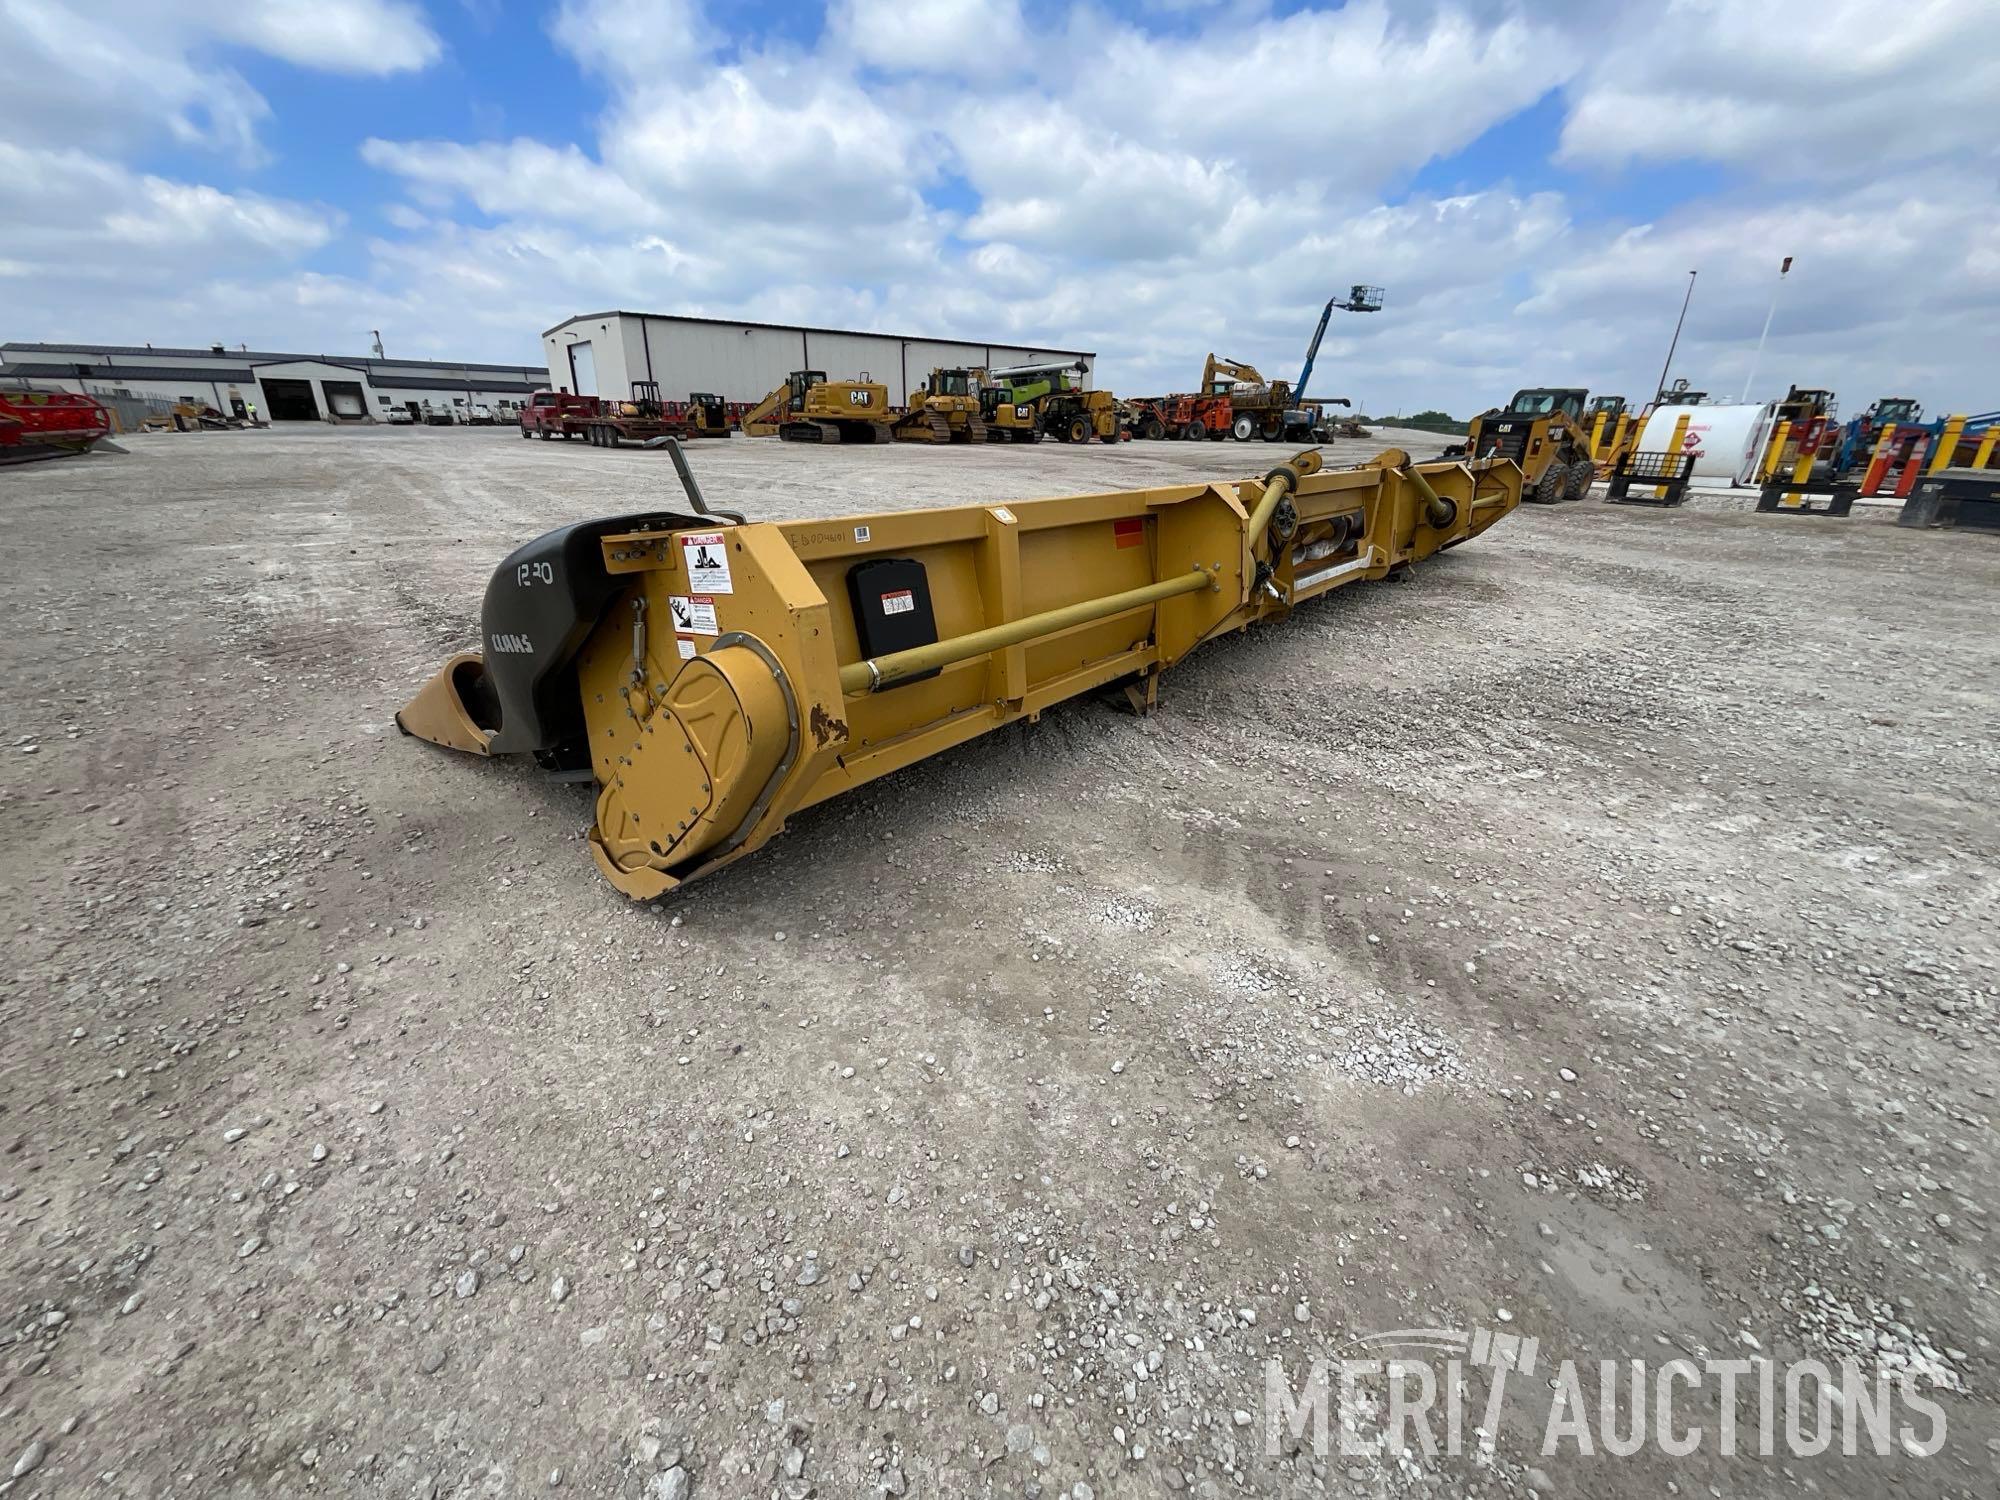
(1589, 937)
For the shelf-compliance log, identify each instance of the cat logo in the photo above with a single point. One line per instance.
(859, 398)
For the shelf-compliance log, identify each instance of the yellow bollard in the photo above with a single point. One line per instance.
(1801, 472)
(1769, 467)
(1985, 450)
(1953, 426)
(1673, 452)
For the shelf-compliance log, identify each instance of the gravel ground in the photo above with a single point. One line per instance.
(1589, 937)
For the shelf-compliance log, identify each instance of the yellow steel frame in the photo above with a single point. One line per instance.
(708, 727)
(985, 565)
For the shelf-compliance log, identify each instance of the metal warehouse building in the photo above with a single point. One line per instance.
(601, 354)
(283, 387)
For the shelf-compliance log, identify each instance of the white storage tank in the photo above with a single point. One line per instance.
(1727, 440)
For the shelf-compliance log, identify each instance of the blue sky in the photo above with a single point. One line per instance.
(1531, 182)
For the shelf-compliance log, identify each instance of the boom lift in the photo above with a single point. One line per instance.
(1299, 419)
(713, 676)
(809, 408)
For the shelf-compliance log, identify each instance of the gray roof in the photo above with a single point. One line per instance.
(83, 370)
(873, 333)
(114, 354)
(451, 383)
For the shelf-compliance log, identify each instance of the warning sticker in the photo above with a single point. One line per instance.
(685, 646)
(1003, 515)
(707, 562)
(862, 533)
(694, 614)
(899, 602)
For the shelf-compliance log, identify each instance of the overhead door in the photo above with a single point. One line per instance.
(344, 396)
(583, 369)
(290, 400)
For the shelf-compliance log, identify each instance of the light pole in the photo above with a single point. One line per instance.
(1756, 358)
(1661, 388)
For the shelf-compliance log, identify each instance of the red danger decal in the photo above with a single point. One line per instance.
(1129, 533)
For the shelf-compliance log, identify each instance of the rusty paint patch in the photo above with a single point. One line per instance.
(826, 729)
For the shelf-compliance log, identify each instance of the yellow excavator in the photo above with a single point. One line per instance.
(712, 675)
(945, 410)
(809, 408)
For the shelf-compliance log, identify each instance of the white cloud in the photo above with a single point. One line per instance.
(126, 75)
(956, 37)
(518, 178)
(370, 37)
(634, 44)
(163, 214)
(777, 140)
(1092, 175)
(1850, 89)
(1347, 98)
(89, 218)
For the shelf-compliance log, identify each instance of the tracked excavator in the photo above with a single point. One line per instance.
(809, 408)
(713, 675)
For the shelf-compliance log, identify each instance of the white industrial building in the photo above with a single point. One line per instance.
(282, 387)
(601, 354)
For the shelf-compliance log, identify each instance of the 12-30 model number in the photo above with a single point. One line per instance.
(530, 573)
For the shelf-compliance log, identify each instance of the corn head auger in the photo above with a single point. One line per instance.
(714, 675)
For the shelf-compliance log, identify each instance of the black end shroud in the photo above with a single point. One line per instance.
(541, 606)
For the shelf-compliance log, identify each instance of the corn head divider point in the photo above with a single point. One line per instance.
(714, 676)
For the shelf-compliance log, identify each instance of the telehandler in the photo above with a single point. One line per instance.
(712, 675)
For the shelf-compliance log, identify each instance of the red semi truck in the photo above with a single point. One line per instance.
(557, 414)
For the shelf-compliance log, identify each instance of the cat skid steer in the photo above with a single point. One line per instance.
(712, 675)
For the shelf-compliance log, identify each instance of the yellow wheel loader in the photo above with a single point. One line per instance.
(713, 675)
(809, 408)
(946, 410)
